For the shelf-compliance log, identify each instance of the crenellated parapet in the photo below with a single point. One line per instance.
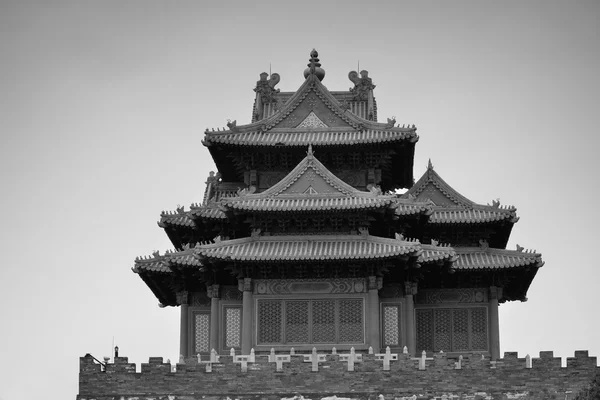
(342, 374)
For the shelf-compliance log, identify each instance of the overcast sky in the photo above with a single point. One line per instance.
(103, 105)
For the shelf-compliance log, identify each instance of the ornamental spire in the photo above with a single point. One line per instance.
(314, 66)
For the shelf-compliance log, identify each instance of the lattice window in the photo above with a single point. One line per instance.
(337, 159)
(269, 321)
(391, 325)
(336, 223)
(351, 321)
(479, 337)
(296, 321)
(458, 329)
(424, 321)
(323, 312)
(318, 223)
(233, 327)
(441, 329)
(310, 321)
(201, 333)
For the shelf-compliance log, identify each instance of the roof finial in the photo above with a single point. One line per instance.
(314, 66)
(309, 153)
(430, 165)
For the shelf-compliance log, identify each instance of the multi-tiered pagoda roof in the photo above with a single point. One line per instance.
(311, 187)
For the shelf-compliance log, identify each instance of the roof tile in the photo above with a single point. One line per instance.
(296, 248)
(316, 137)
(478, 258)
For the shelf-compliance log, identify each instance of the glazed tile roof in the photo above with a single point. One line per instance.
(307, 203)
(179, 218)
(457, 208)
(166, 262)
(211, 211)
(437, 254)
(316, 137)
(357, 131)
(479, 258)
(295, 248)
(482, 214)
(151, 264)
(296, 203)
(411, 207)
(344, 247)
(333, 194)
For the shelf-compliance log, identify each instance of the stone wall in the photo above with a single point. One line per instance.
(364, 376)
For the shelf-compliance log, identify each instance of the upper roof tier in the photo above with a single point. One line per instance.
(312, 115)
(329, 121)
(310, 188)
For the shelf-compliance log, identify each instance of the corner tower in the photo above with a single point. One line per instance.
(302, 242)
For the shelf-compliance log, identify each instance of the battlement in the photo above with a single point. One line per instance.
(350, 375)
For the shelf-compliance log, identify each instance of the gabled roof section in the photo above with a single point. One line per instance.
(312, 98)
(290, 124)
(311, 186)
(431, 186)
(451, 207)
(310, 172)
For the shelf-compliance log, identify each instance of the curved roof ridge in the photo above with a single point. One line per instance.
(313, 84)
(313, 247)
(310, 161)
(494, 258)
(431, 176)
(493, 250)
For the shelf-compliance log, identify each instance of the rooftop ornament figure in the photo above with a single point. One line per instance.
(314, 66)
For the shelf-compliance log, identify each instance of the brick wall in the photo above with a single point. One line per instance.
(508, 378)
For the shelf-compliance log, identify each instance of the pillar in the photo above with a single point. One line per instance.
(495, 295)
(373, 335)
(213, 293)
(184, 327)
(410, 289)
(246, 287)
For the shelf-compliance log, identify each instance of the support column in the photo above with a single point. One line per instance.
(213, 293)
(373, 335)
(410, 289)
(184, 327)
(246, 286)
(495, 295)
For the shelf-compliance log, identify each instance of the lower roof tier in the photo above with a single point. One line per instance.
(225, 261)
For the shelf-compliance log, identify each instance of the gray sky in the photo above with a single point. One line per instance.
(102, 111)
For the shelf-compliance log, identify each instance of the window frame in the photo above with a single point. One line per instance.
(284, 345)
(470, 333)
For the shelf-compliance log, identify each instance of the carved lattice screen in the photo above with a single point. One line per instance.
(269, 321)
(479, 323)
(323, 312)
(351, 321)
(296, 321)
(391, 325)
(452, 329)
(304, 321)
(233, 327)
(201, 333)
